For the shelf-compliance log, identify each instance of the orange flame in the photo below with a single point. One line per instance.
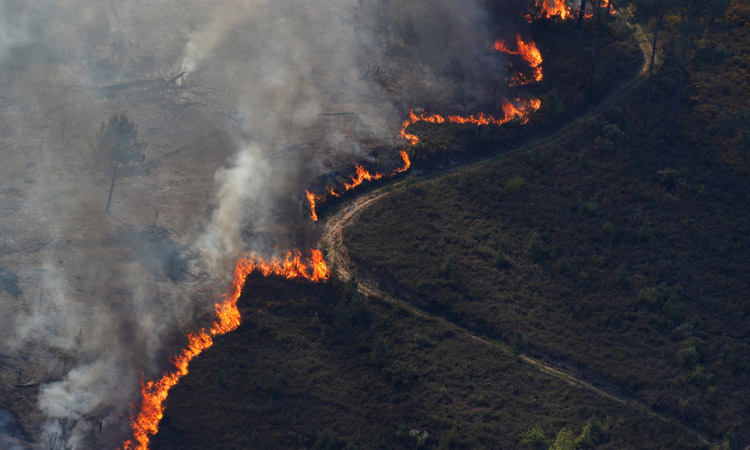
(559, 8)
(518, 110)
(553, 8)
(312, 199)
(151, 410)
(360, 177)
(530, 53)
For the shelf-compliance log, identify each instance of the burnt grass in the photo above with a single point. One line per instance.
(614, 251)
(321, 366)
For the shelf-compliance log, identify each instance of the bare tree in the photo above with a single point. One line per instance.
(119, 137)
(581, 13)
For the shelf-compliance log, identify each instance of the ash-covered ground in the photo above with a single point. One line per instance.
(242, 105)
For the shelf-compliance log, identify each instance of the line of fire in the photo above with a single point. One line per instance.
(148, 413)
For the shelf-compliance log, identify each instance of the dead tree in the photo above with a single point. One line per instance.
(119, 137)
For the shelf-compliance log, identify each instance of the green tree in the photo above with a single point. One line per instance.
(534, 438)
(564, 440)
(119, 137)
(693, 16)
(652, 11)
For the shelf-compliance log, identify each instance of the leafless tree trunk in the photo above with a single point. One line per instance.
(581, 13)
(681, 83)
(112, 186)
(597, 45)
(657, 26)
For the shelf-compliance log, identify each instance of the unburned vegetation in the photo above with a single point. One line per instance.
(321, 366)
(616, 251)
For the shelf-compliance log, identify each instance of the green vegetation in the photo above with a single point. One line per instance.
(624, 253)
(564, 91)
(617, 253)
(304, 372)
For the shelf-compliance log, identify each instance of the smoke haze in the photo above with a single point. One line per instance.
(243, 105)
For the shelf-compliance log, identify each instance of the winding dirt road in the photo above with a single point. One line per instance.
(338, 258)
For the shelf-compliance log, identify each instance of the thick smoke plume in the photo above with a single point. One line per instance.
(243, 105)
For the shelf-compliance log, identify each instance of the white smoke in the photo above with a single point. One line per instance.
(277, 96)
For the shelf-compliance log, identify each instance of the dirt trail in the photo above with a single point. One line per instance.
(340, 262)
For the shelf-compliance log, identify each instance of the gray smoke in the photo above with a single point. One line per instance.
(243, 106)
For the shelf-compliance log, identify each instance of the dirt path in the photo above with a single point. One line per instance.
(340, 262)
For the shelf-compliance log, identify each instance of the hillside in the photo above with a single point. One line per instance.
(613, 250)
(585, 290)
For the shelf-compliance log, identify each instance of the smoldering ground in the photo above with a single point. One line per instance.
(242, 105)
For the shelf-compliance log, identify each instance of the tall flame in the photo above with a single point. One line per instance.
(530, 53)
(555, 8)
(151, 410)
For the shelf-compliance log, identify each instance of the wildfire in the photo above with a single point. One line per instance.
(360, 177)
(552, 8)
(312, 199)
(520, 109)
(559, 8)
(151, 410)
(530, 53)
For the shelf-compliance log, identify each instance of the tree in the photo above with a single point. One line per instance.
(564, 440)
(652, 9)
(581, 13)
(597, 46)
(119, 137)
(693, 15)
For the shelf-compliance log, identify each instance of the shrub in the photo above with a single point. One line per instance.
(379, 353)
(451, 271)
(590, 208)
(447, 439)
(534, 247)
(518, 342)
(501, 261)
(534, 437)
(514, 184)
(564, 440)
(668, 177)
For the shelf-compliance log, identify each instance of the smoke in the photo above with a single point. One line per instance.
(243, 105)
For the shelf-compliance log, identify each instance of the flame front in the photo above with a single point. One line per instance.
(553, 8)
(530, 54)
(361, 175)
(151, 410)
(519, 109)
(559, 8)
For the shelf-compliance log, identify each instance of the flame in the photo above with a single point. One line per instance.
(530, 53)
(361, 175)
(151, 410)
(552, 8)
(520, 109)
(559, 8)
(312, 199)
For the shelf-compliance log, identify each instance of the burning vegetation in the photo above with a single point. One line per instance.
(530, 54)
(559, 8)
(145, 423)
(518, 109)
